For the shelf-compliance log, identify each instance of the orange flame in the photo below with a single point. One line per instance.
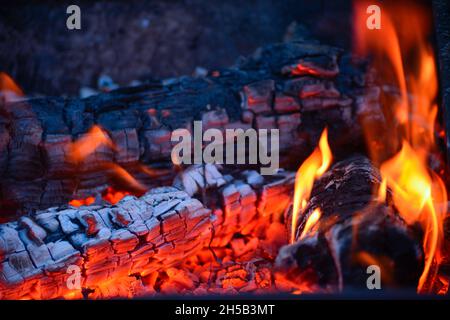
(125, 178)
(311, 222)
(313, 167)
(406, 60)
(89, 143)
(86, 145)
(417, 195)
(8, 87)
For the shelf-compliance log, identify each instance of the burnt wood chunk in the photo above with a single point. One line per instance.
(441, 13)
(117, 246)
(296, 87)
(353, 232)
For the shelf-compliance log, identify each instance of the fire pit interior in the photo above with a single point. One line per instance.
(350, 195)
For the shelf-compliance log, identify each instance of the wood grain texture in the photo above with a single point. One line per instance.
(297, 87)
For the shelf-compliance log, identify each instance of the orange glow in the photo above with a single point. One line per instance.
(8, 86)
(384, 263)
(311, 222)
(382, 191)
(110, 195)
(313, 167)
(417, 195)
(406, 60)
(82, 202)
(125, 178)
(89, 143)
(113, 196)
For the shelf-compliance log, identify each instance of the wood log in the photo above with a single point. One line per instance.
(297, 87)
(116, 247)
(441, 13)
(353, 232)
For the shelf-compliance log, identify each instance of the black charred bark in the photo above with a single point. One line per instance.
(296, 87)
(354, 232)
(441, 12)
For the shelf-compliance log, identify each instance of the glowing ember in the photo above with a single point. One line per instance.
(110, 195)
(313, 167)
(82, 202)
(113, 196)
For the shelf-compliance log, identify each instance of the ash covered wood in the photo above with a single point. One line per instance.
(354, 231)
(119, 248)
(298, 87)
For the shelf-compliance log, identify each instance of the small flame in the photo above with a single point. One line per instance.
(89, 143)
(94, 139)
(382, 190)
(8, 88)
(311, 222)
(124, 178)
(313, 167)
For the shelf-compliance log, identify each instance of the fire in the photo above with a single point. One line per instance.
(124, 178)
(407, 61)
(82, 202)
(88, 144)
(313, 167)
(417, 195)
(9, 88)
(110, 195)
(114, 196)
(311, 222)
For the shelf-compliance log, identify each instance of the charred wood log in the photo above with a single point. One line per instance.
(116, 248)
(441, 12)
(353, 232)
(297, 87)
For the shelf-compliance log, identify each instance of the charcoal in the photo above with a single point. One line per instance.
(297, 87)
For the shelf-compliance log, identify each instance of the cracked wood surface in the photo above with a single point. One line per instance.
(354, 231)
(297, 87)
(116, 246)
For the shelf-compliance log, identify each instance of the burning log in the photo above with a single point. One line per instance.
(297, 87)
(120, 249)
(344, 229)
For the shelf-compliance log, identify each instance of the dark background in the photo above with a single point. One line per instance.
(130, 40)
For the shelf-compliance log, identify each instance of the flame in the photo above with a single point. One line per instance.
(313, 167)
(123, 177)
(9, 88)
(417, 195)
(382, 191)
(311, 222)
(406, 60)
(89, 143)
(86, 145)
